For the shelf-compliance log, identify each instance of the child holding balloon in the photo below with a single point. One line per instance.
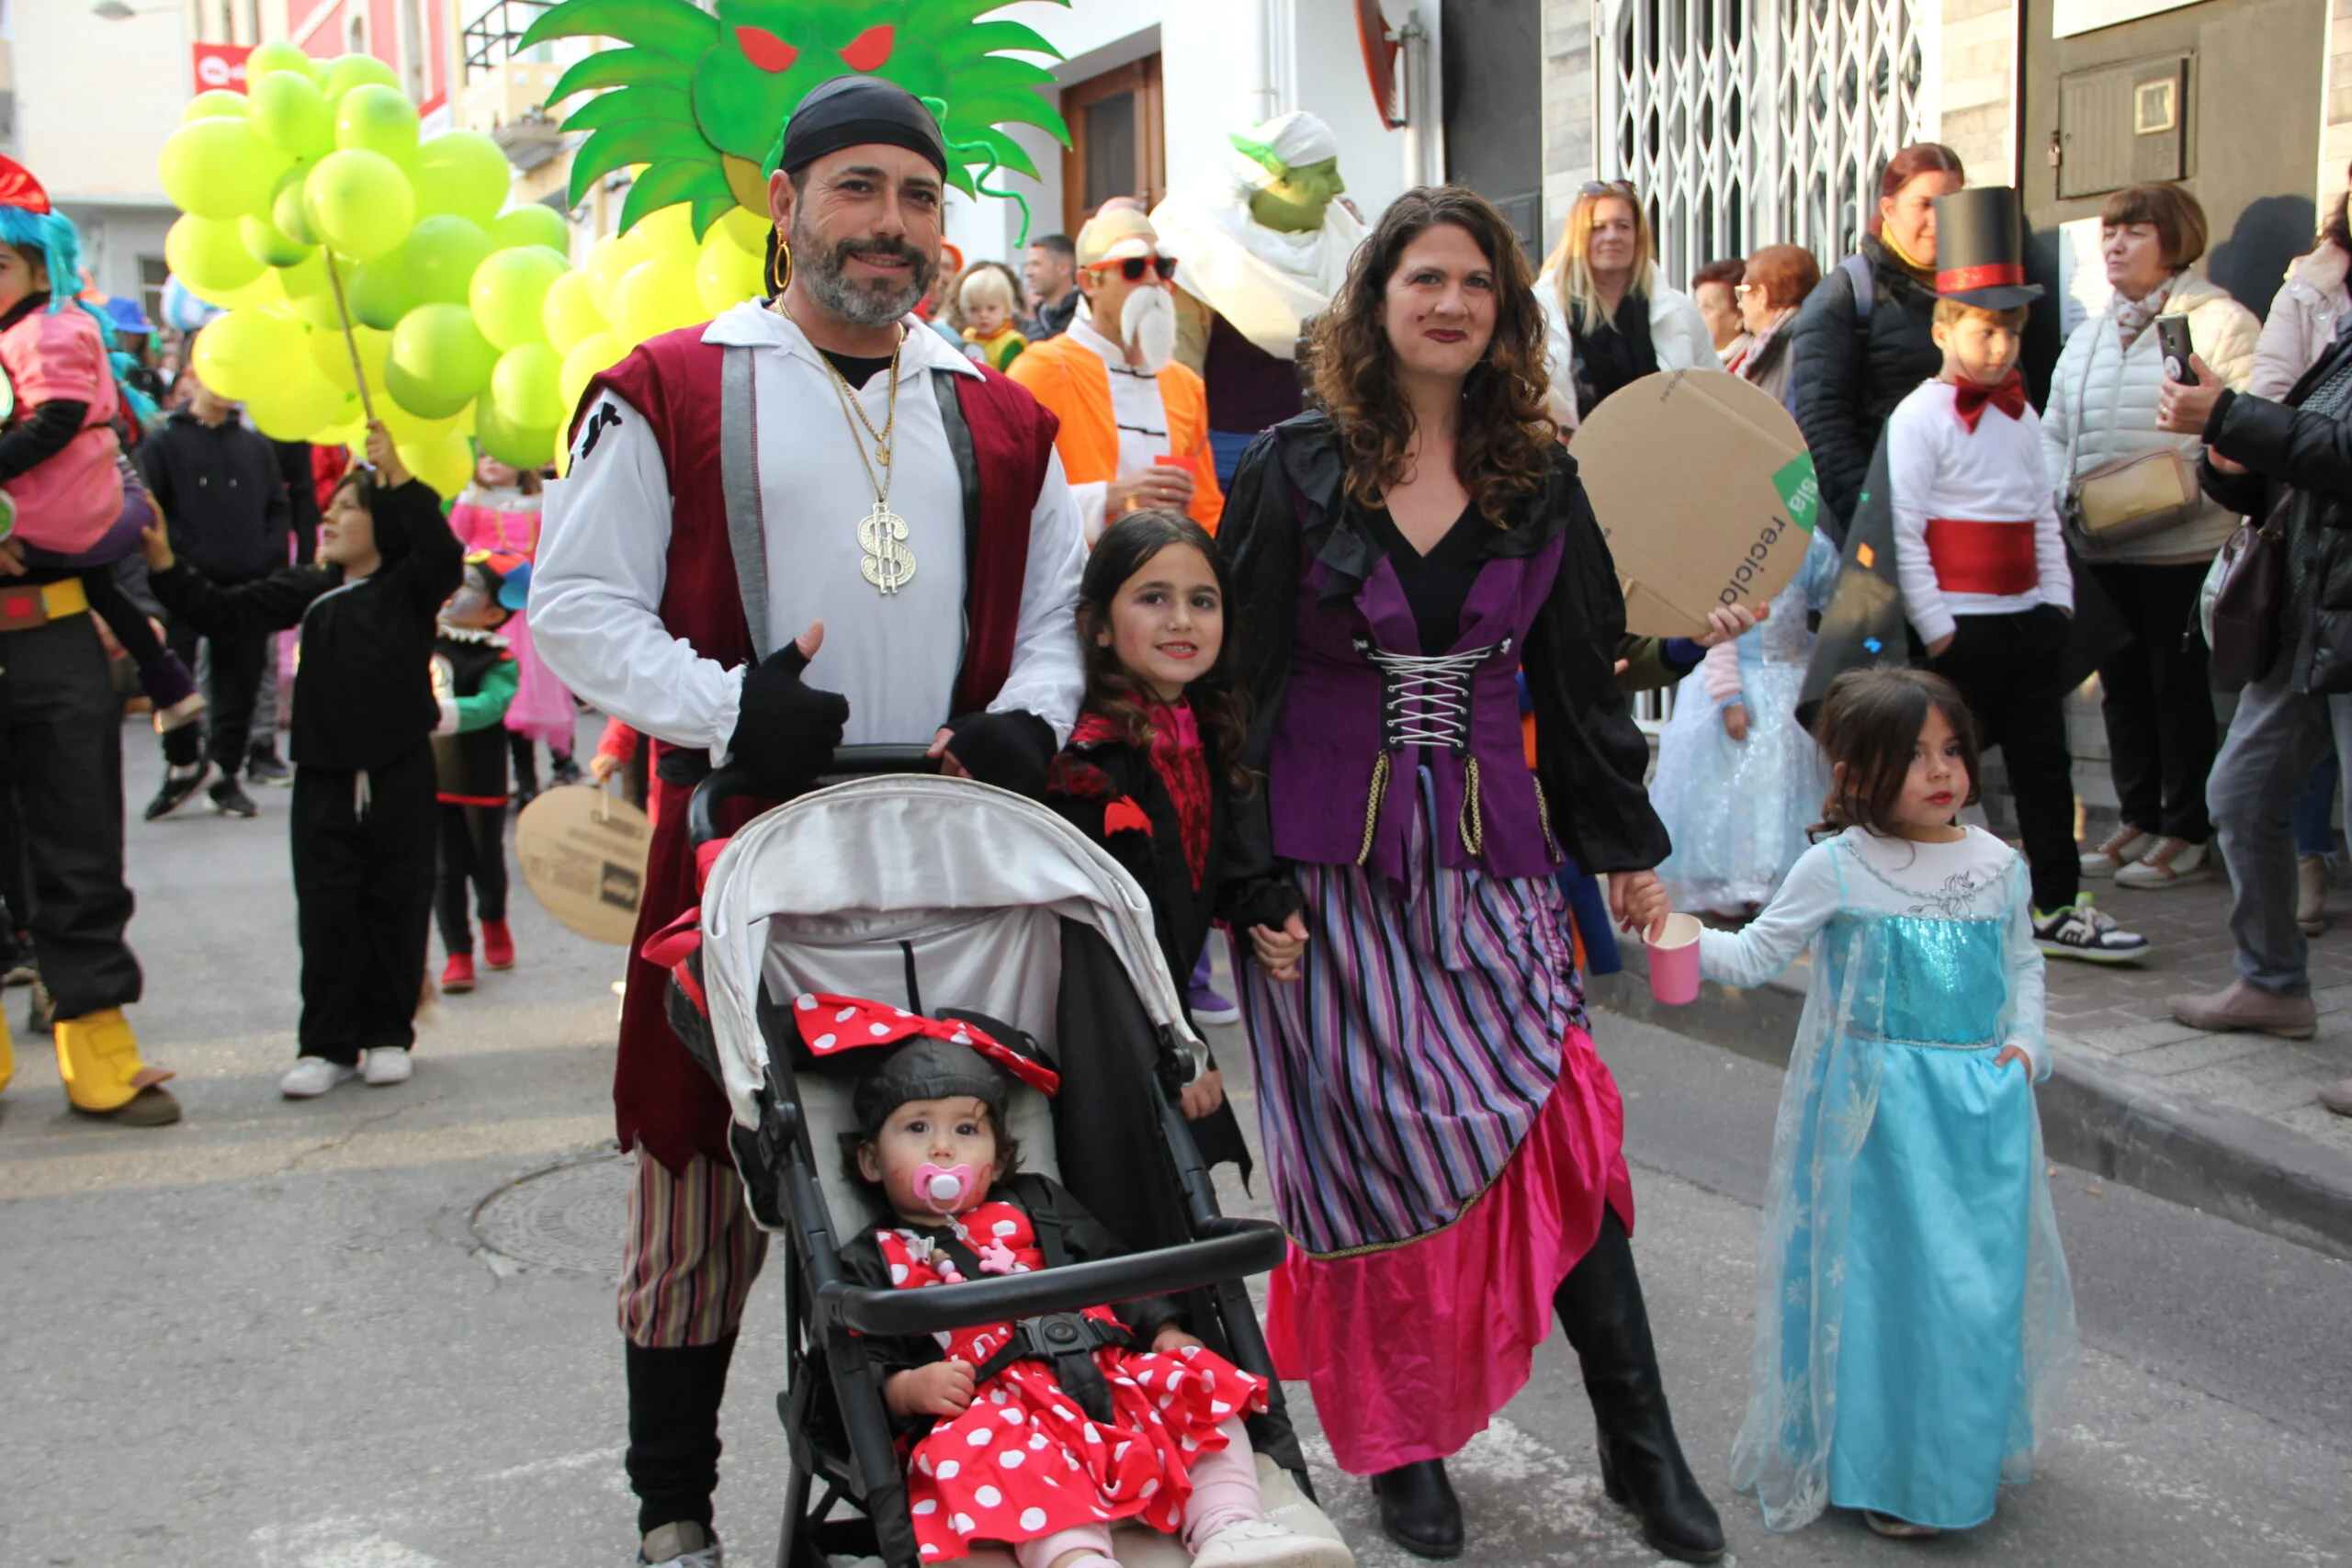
(363, 819)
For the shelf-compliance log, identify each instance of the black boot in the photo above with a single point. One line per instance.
(1418, 1509)
(1641, 1461)
(672, 1459)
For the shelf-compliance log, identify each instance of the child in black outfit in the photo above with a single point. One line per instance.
(364, 781)
(1154, 768)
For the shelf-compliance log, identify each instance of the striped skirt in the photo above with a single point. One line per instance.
(1440, 1140)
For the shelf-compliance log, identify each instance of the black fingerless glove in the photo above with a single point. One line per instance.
(785, 729)
(1010, 750)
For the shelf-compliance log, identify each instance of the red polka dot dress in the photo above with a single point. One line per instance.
(1024, 1460)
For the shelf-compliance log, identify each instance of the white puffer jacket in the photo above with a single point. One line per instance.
(1678, 336)
(2103, 406)
(2302, 320)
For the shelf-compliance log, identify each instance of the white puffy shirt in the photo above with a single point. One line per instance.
(603, 561)
(1938, 468)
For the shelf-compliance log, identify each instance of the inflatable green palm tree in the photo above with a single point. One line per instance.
(699, 99)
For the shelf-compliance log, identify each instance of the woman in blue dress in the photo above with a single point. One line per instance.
(1914, 1320)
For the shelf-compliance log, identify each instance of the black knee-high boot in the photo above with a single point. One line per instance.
(1642, 1465)
(1418, 1509)
(672, 1461)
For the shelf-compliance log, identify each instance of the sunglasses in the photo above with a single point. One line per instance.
(1132, 268)
(1606, 187)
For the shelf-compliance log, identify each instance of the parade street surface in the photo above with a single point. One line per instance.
(376, 1330)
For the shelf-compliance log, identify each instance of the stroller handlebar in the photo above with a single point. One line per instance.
(723, 785)
(1232, 1247)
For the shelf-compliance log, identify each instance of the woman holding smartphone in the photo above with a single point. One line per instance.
(2156, 701)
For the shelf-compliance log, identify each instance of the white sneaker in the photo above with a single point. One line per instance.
(683, 1545)
(2118, 849)
(382, 1065)
(2170, 863)
(1262, 1543)
(314, 1076)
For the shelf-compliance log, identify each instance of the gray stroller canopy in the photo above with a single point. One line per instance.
(847, 889)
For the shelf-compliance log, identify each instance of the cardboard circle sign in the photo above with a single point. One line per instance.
(582, 853)
(1705, 492)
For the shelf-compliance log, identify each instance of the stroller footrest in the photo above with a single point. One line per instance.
(1252, 1246)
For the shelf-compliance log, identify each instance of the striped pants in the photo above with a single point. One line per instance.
(689, 1256)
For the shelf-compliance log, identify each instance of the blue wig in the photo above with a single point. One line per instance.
(51, 237)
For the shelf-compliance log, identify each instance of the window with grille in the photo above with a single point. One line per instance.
(1745, 123)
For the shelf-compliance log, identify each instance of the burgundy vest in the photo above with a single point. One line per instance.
(665, 1102)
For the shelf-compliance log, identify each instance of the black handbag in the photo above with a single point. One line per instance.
(2245, 603)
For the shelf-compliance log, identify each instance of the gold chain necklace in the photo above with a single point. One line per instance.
(886, 562)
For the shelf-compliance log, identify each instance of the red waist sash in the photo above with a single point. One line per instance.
(1983, 557)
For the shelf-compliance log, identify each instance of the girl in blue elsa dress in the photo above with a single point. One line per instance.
(1914, 1320)
(1739, 780)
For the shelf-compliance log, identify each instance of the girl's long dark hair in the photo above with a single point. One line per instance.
(1503, 444)
(1869, 731)
(1219, 707)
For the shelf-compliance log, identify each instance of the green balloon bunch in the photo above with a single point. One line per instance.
(470, 324)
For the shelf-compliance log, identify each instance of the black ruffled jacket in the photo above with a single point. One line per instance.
(1109, 790)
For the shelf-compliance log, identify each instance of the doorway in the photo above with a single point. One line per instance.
(1117, 143)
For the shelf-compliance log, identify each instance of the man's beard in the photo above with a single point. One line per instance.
(1148, 324)
(873, 303)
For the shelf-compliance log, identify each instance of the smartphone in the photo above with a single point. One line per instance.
(2171, 337)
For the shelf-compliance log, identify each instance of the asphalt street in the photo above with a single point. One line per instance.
(276, 1336)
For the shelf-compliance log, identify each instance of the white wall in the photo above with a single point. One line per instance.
(1212, 84)
(95, 99)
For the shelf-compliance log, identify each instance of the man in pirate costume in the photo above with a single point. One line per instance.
(802, 462)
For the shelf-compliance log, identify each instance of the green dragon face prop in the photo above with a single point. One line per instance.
(701, 100)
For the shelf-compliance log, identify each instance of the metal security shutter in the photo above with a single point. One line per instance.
(1745, 123)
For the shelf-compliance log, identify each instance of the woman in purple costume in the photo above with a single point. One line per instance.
(1445, 1142)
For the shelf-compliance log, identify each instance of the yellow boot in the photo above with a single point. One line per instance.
(97, 1056)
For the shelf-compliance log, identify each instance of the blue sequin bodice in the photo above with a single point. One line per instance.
(1918, 978)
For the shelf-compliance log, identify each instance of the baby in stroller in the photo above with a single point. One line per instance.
(1008, 1440)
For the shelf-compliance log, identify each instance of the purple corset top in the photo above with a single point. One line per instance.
(1425, 697)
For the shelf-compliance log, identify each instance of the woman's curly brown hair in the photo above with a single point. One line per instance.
(1219, 707)
(1504, 441)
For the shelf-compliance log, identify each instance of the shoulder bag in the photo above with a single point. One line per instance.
(2248, 580)
(2128, 497)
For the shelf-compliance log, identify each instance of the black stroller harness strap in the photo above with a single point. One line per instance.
(1064, 1340)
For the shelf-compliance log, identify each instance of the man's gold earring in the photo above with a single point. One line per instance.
(780, 267)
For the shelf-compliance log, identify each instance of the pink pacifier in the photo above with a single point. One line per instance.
(942, 1189)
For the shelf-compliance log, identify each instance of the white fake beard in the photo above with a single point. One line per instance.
(1148, 324)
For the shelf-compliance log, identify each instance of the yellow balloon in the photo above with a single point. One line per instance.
(219, 167)
(266, 292)
(216, 103)
(274, 56)
(331, 357)
(748, 229)
(609, 260)
(444, 462)
(209, 255)
(656, 297)
(352, 70)
(597, 352)
(305, 402)
(669, 231)
(725, 274)
(567, 313)
(247, 352)
(409, 429)
(526, 387)
(309, 294)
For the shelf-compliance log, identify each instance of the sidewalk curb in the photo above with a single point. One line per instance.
(2123, 1124)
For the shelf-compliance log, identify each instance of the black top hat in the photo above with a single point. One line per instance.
(1980, 250)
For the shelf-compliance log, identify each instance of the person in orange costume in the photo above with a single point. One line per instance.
(1125, 404)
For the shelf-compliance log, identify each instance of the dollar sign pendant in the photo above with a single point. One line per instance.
(888, 564)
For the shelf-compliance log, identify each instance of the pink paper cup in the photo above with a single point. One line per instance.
(1674, 961)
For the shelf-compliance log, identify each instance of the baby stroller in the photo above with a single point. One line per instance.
(1005, 912)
